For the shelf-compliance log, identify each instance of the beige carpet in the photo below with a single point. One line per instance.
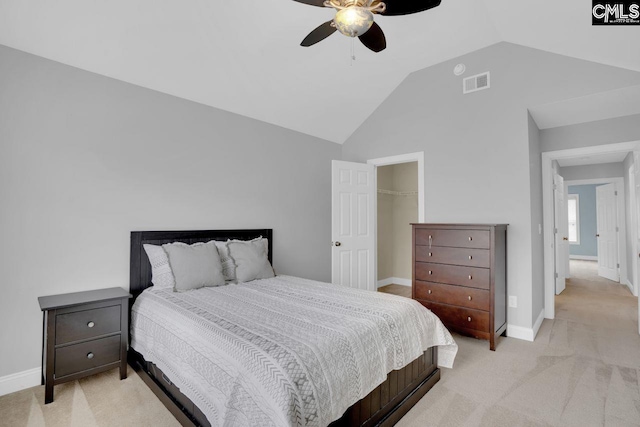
(582, 370)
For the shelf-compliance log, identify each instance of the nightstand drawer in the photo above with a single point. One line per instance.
(87, 355)
(86, 324)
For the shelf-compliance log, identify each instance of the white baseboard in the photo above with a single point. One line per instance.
(19, 381)
(394, 281)
(527, 334)
(536, 326)
(629, 285)
(584, 257)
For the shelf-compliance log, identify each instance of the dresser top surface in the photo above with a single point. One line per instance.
(444, 225)
(78, 298)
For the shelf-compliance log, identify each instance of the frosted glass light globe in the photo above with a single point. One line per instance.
(353, 21)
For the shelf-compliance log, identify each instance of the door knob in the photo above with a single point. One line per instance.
(597, 235)
(338, 244)
(565, 238)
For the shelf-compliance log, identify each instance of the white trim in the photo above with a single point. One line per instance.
(584, 257)
(629, 285)
(19, 381)
(547, 208)
(536, 326)
(520, 333)
(394, 281)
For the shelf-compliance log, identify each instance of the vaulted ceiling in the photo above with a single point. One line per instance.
(244, 56)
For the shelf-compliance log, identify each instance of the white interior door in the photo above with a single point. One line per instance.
(353, 225)
(561, 229)
(636, 254)
(607, 231)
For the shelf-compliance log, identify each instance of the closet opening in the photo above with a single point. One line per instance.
(397, 208)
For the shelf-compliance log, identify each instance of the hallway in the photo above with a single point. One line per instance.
(592, 300)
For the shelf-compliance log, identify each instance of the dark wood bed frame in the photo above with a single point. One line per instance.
(384, 406)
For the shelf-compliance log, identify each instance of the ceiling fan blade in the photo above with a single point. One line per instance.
(319, 3)
(406, 7)
(319, 34)
(374, 38)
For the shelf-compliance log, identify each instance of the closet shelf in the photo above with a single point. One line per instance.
(398, 193)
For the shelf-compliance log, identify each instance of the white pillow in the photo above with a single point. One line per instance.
(228, 267)
(251, 259)
(161, 274)
(194, 266)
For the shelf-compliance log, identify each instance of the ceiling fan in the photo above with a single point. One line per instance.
(354, 18)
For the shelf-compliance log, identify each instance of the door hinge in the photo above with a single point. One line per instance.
(618, 265)
(615, 193)
(555, 231)
(557, 275)
(617, 228)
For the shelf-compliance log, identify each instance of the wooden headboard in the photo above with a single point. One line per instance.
(140, 269)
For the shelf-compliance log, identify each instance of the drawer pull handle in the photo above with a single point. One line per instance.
(430, 272)
(430, 291)
(470, 257)
(470, 238)
(469, 319)
(90, 355)
(430, 254)
(469, 297)
(470, 277)
(91, 324)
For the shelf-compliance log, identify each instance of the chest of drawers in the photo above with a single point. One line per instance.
(459, 273)
(83, 333)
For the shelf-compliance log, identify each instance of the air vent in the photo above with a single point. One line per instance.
(476, 83)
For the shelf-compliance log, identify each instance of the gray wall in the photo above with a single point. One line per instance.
(85, 159)
(587, 219)
(603, 170)
(610, 131)
(477, 166)
(537, 253)
(630, 216)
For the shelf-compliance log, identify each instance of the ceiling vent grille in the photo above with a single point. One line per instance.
(476, 83)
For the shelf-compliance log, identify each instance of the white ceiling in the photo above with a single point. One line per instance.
(599, 106)
(594, 159)
(244, 56)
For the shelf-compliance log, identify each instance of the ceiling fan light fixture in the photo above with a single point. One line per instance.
(353, 21)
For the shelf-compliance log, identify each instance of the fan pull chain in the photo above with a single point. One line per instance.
(353, 52)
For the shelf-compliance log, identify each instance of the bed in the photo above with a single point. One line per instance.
(279, 351)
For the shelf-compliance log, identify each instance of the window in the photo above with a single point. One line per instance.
(574, 218)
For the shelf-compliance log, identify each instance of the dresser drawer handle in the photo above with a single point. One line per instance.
(90, 355)
(470, 257)
(430, 291)
(430, 272)
(469, 297)
(470, 238)
(430, 254)
(469, 319)
(470, 277)
(91, 324)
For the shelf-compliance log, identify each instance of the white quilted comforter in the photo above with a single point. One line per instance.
(284, 351)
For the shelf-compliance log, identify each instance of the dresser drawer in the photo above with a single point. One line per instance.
(457, 256)
(474, 277)
(81, 325)
(87, 355)
(478, 299)
(479, 239)
(459, 316)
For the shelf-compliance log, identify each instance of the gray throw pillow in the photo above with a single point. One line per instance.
(161, 274)
(194, 266)
(251, 259)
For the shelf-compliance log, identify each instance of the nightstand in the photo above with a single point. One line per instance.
(83, 333)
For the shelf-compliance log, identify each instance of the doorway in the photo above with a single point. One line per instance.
(550, 168)
(397, 209)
